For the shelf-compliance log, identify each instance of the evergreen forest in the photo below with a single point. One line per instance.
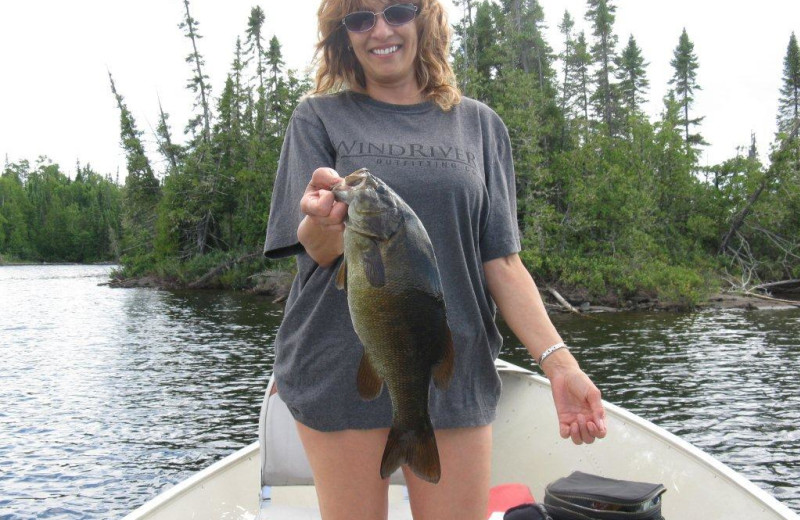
(613, 204)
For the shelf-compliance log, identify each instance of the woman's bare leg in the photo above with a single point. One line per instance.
(463, 491)
(346, 467)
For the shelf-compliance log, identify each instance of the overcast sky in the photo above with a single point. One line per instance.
(55, 56)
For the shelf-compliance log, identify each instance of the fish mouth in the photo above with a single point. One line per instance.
(341, 192)
(354, 181)
(344, 190)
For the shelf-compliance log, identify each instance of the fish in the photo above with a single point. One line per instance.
(396, 303)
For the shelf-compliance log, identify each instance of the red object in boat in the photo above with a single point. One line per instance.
(505, 496)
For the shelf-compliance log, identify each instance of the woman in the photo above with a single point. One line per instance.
(385, 100)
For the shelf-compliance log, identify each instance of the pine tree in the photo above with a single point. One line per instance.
(462, 44)
(632, 77)
(142, 189)
(601, 15)
(487, 47)
(240, 99)
(528, 49)
(684, 81)
(256, 54)
(673, 172)
(567, 87)
(254, 44)
(199, 80)
(14, 211)
(580, 63)
(172, 152)
(789, 104)
(277, 89)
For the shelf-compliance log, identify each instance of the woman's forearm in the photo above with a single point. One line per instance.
(517, 297)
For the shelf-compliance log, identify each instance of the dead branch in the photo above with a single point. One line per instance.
(564, 303)
(748, 265)
(769, 175)
(768, 298)
(783, 284)
(213, 273)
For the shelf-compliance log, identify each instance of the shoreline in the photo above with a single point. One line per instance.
(276, 284)
(24, 263)
(716, 301)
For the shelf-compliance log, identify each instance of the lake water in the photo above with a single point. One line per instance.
(110, 396)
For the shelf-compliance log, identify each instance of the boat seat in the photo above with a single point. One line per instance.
(287, 485)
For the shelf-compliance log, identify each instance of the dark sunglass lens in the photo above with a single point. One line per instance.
(399, 14)
(360, 21)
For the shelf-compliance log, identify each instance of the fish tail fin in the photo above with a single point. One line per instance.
(415, 447)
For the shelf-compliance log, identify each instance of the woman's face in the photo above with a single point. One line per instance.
(386, 52)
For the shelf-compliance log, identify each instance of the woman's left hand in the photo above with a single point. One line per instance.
(580, 411)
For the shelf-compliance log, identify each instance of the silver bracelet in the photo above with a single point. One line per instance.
(549, 351)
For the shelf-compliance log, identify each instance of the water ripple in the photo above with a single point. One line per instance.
(110, 396)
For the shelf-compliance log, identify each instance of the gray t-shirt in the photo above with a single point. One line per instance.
(455, 170)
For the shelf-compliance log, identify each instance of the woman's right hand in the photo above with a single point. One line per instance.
(320, 232)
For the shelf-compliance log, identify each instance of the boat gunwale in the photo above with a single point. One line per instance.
(657, 433)
(672, 441)
(187, 485)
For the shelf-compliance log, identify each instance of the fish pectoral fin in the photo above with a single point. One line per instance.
(369, 382)
(417, 448)
(341, 275)
(443, 371)
(373, 265)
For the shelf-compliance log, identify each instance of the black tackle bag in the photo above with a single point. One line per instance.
(527, 512)
(582, 496)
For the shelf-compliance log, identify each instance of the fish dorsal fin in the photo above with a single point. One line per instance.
(341, 275)
(373, 265)
(369, 382)
(443, 372)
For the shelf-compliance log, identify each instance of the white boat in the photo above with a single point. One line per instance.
(271, 479)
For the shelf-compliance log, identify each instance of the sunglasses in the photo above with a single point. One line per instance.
(363, 21)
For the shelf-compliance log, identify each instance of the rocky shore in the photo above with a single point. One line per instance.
(720, 300)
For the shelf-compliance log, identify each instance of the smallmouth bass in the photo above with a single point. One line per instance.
(396, 302)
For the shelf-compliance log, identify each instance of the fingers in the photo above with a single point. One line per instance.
(581, 430)
(599, 426)
(319, 202)
(323, 179)
(598, 413)
(586, 421)
(324, 210)
(575, 433)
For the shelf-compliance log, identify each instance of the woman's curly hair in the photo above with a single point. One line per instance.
(338, 69)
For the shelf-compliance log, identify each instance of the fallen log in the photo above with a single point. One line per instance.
(784, 284)
(769, 298)
(564, 303)
(213, 273)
